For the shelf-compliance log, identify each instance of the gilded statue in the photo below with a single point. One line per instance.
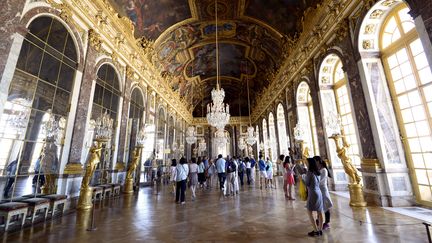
(95, 156)
(348, 166)
(49, 164)
(133, 165)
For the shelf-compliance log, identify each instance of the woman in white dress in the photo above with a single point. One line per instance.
(328, 204)
(173, 175)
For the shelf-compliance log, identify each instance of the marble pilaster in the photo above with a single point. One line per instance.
(121, 160)
(80, 124)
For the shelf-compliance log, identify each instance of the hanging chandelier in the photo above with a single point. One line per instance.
(202, 146)
(220, 139)
(217, 112)
(242, 144)
(251, 136)
(191, 135)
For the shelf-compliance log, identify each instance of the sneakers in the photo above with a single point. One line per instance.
(183, 203)
(315, 233)
(326, 226)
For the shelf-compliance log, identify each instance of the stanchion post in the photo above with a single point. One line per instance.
(427, 231)
(92, 226)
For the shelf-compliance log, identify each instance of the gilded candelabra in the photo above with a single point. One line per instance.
(355, 188)
(136, 158)
(128, 188)
(103, 133)
(86, 191)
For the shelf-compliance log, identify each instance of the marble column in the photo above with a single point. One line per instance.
(127, 92)
(74, 165)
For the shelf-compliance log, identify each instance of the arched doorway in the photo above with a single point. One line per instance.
(281, 123)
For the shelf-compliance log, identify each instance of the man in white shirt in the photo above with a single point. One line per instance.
(220, 168)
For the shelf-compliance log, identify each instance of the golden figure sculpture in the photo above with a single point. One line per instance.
(86, 192)
(348, 166)
(49, 163)
(128, 189)
(95, 155)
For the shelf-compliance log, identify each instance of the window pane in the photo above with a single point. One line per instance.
(422, 177)
(425, 75)
(410, 82)
(50, 69)
(29, 58)
(66, 77)
(44, 96)
(407, 26)
(22, 87)
(421, 61)
(407, 116)
(418, 161)
(396, 73)
(414, 98)
(425, 193)
(402, 55)
(403, 101)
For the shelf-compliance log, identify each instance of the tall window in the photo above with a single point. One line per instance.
(160, 142)
(306, 118)
(136, 116)
(106, 99)
(257, 132)
(40, 88)
(273, 141)
(265, 144)
(283, 138)
(336, 99)
(410, 80)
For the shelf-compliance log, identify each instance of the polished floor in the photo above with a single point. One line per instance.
(253, 216)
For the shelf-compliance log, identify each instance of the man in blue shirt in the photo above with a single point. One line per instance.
(220, 167)
(262, 170)
(253, 164)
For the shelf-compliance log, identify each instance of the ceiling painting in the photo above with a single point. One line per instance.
(251, 35)
(151, 18)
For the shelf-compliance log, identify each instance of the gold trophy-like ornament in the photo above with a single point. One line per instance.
(355, 188)
(103, 131)
(136, 158)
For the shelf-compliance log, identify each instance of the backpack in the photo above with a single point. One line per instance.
(241, 167)
(231, 167)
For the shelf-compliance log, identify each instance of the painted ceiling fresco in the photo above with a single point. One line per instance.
(152, 17)
(251, 34)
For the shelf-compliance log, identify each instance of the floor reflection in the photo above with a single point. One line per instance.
(253, 216)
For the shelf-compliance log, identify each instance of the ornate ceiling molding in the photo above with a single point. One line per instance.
(320, 27)
(236, 120)
(114, 35)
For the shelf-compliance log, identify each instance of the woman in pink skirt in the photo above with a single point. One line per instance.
(288, 178)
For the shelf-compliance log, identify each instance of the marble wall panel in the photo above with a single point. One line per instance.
(124, 121)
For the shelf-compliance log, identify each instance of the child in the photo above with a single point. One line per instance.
(288, 178)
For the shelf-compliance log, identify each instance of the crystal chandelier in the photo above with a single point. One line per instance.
(299, 132)
(217, 112)
(52, 128)
(220, 139)
(202, 146)
(141, 137)
(103, 127)
(251, 137)
(242, 144)
(174, 146)
(191, 135)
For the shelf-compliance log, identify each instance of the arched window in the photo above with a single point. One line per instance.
(136, 118)
(106, 100)
(160, 136)
(272, 141)
(257, 132)
(306, 118)
(264, 146)
(171, 136)
(410, 81)
(283, 138)
(40, 90)
(337, 101)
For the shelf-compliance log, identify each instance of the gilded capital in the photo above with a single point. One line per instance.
(94, 39)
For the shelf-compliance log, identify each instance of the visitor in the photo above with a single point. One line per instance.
(236, 179)
(193, 177)
(248, 170)
(241, 171)
(182, 171)
(253, 164)
(220, 168)
(314, 202)
(262, 171)
(11, 173)
(288, 178)
(211, 172)
(328, 204)
(201, 173)
(231, 169)
(173, 174)
(279, 166)
(269, 171)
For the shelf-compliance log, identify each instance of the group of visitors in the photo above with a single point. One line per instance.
(203, 173)
(318, 197)
(266, 172)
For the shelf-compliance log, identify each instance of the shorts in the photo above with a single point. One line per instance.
(263, 174)
(270, 174)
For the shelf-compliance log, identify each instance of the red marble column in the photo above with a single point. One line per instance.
(80, 124)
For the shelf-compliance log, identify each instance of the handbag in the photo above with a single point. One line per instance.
(302, 191)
